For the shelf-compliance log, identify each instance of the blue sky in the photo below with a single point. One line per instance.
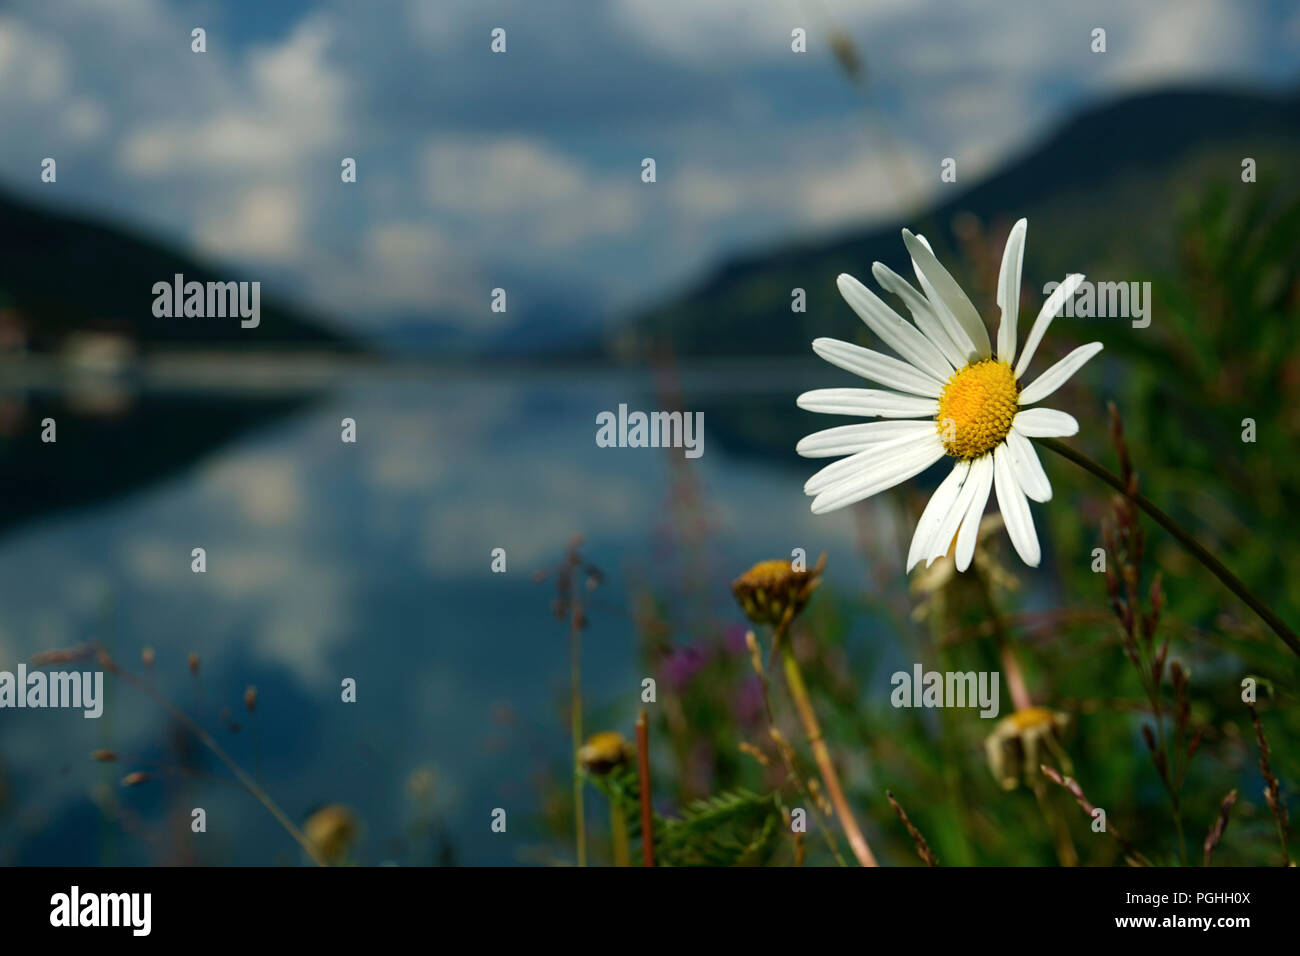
(523, 169)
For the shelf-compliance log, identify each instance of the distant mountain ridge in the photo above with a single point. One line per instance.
(1099, 190)
(62, 274)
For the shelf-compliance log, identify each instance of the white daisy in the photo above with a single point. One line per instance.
(948, 395)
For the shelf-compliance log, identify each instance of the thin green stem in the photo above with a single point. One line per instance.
(786, 751)
(1184, 538)
(782, 644)
(618, 834)
(575, 673)
(1020, 698)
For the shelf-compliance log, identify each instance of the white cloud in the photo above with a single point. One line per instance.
(473, 166)
(265, 223)
(523, 188)
(267, 115)
(1197, 37)
(33, 69)
(84, 121)
(401, 265)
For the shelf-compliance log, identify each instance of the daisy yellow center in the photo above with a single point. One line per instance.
(976, 407)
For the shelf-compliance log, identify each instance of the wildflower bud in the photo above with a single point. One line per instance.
(1177, 673)
(746, 747)
(1158, 665)
(135, 778)
(103, 756)
(250, 698)
(814, 787)
(1019, 741)
(770, 590)
(332, 829)
(603, 752)
(1149, 736)
(421, 783)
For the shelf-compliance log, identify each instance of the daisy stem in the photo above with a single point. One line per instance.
(1020, 698)
(813, 730)
(786, 751)
(1216, 567)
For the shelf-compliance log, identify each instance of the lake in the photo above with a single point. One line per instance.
(328, 560)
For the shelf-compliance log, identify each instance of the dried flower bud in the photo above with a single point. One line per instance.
(770, 590)
(1019, 741)
(332, 829)
(250, 698)
(194, 664)
(604, 751)
(135, 778)
(104, 756)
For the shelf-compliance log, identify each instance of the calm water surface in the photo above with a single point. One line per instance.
(328, 560)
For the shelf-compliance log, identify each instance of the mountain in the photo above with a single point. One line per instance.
(1102, 194)
(62, 274)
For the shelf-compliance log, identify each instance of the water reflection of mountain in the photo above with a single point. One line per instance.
(111, 442)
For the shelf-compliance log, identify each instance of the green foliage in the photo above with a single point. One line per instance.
(731, 828)
(1223, 346)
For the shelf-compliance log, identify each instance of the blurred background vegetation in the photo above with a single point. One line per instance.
(1208, 395)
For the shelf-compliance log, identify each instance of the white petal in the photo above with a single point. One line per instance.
(1058, 374)
(1015, 508)
(941, 502)
(864, 462)
(982, 477)
(1029, 470)
(850, 439)
(898, 467)
(924, 317)
(888, 371)
(866, 401)
(1044, 423)
(947, 529)
(931, 271)
(894, 330)
(944, 318)
(1045, 315)
(1013, 257)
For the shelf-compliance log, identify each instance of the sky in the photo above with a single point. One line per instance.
(522, 170)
